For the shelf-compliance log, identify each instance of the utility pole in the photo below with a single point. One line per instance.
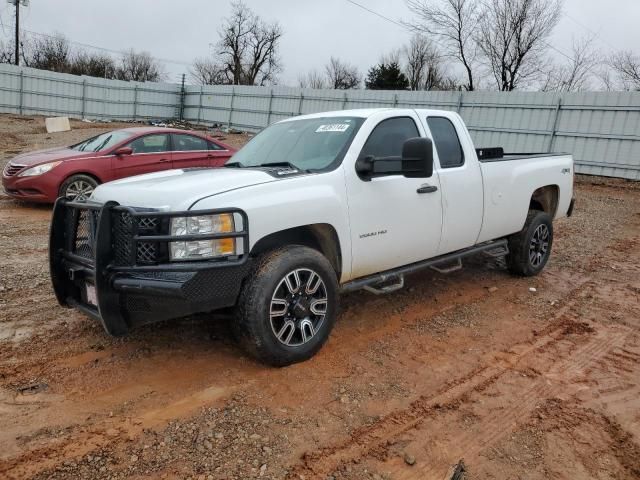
(17, 5)
(17, 32)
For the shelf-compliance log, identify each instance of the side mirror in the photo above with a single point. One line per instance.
(122, 151)
(417, 158)
(416, 162)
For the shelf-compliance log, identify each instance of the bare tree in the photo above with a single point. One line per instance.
(454, 22)
(576, 74)
(48, 52)
(312, 79)
(92, 64)
(627, 67)
(341, 75)
(248, 48)
(7, 52)
(512, 36)
(424, 65)
(139, 67)
(206, 71)
(394, 56)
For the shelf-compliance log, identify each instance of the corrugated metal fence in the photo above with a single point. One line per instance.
(601, 129)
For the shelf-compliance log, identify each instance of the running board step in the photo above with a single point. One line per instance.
(450, 269)
(384, 287)
(497, 252)
(377, 282)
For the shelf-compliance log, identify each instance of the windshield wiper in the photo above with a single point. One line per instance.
(282, 164)
(233, 165)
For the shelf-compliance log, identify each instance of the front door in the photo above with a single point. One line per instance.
(394, 220)
(150, 153)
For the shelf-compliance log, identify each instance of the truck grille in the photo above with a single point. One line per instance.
(85, 233)
(146, 252)
(12, 168)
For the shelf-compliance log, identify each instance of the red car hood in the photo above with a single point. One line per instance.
(50, 155)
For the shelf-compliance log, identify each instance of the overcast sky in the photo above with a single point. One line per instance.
(182, 30)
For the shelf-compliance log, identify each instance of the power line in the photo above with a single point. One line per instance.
(555, 49)
(597, 34)
(378, 14)
(107, 50)
(399, 24)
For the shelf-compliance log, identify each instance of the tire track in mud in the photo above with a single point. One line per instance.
(375, 439)
(493, 427)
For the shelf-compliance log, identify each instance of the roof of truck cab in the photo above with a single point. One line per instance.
(358, 112)
(364, 113)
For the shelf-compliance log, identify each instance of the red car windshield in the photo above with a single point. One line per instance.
(102, 142)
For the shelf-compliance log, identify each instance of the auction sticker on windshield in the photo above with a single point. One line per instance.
(333, 127)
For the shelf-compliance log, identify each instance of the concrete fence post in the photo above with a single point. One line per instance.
(345, 100)
(84, 98)
(269, 113)
(300, 103)
(554, 127)
(395, 100)
(459, 106)
(21, 94)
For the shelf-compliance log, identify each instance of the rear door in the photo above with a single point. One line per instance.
(189, 151)
(151, 153)
(461, 181)
(218, 154)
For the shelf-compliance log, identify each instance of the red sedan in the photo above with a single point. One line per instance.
(75, 171)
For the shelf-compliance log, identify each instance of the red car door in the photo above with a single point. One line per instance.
(149, 153)
(219, 154)
(189, 151)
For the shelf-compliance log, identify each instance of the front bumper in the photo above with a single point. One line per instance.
(107, 247)
(32, 189)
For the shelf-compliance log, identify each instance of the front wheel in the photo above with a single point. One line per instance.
(288, 306)
(78, 187)
(530, 249)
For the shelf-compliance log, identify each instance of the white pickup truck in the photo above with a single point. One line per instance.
(312, 206)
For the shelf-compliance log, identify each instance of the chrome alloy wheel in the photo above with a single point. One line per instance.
(298, 307)
(539, 246)
(79, 190)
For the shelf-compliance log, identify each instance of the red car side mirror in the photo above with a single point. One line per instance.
(122, 151)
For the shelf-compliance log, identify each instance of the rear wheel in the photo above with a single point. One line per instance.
(288, 306)
(78, 187)
(530, 249)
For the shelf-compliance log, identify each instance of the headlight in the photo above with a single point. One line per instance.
(206, 225)
(39, 170)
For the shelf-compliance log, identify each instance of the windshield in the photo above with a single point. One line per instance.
(310, 145)
(102, 142)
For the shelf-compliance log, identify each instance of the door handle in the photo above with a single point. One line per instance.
(164, 160)
(427, 189)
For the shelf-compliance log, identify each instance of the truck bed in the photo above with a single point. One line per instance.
(507, 157)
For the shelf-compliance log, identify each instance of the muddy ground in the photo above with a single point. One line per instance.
(522, 378)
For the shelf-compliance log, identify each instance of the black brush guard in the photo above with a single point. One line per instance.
(124, 253)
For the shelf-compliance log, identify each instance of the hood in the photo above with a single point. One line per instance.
(50, 155)
(177, 189)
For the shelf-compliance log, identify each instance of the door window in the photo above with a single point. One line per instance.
(188, 143)
(389, 136)
(447, 142)
(150, 144)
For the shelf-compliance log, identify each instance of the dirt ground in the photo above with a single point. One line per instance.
(522, 378)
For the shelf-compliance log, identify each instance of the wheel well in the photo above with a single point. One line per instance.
(545, 199)
(320, 236)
